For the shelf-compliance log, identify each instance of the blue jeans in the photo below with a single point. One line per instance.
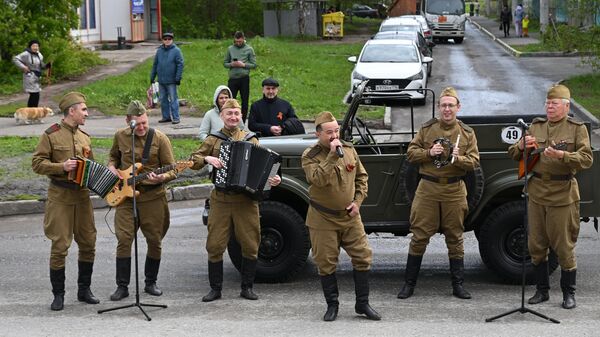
(169, 103)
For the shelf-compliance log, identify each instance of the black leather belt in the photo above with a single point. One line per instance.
(67, 185)
(545, 176)
(328, 210)
(146, 188)
(442, 180)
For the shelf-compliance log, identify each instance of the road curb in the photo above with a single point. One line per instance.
(503, 44)
(180, 193)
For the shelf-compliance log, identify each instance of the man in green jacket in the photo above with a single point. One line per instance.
(239, 59)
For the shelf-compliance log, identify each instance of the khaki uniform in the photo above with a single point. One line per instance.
(153, 210)
(334, 184)
(439, 206)
(69, 212)
(229, 210)
(553, 209)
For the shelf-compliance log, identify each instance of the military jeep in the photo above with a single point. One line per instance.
(496, 204)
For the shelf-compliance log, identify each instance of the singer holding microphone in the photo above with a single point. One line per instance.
(338, 186)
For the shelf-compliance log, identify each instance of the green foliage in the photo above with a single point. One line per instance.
(570, 38)
(585, 89)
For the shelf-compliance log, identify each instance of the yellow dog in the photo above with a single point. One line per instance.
(29, 115)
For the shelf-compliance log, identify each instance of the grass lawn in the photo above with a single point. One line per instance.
(585, 89)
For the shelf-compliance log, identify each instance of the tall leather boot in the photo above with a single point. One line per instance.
(543, 284)
(248, 272)
(361, 288)
(331, 293)
(84, 280)
(151, 273)
(123, 275)
(457, 271)
(215, 279)
(57, 279)
(413, 265)
(567, 284)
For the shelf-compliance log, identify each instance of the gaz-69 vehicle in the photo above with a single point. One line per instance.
(496, 204)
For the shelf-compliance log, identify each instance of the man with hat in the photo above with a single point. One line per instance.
(168, 65)
(338, 186)
(440, 202)
(240, 59)
(231, 213)
(152, 149)
(69, 214)
(553, 207)
(270, 115)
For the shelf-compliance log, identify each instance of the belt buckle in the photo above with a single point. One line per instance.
(443, 180)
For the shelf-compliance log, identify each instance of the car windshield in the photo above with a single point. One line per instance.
(392, 28)
(389, 53)
(395, 35)
(456, 7)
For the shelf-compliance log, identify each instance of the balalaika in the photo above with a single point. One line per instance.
(94, 176)
(246, 168)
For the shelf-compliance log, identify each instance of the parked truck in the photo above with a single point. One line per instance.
(496, 204)
(446, 18)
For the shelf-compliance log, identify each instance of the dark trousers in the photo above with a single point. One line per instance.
(506, 28)
(241, 85)
(34, 100)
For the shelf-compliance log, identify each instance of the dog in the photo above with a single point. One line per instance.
(29, 115)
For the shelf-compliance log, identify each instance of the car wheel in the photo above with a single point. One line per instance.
(458, 40)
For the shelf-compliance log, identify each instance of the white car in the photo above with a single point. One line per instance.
(400, 24)
(426, 29)
(390, 66)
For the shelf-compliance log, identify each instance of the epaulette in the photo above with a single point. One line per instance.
(465, 126)
(85, 133)
(430, 122)
(346, 143)
(53, 128)
(574, 121)
(314, 151)
(538, 120)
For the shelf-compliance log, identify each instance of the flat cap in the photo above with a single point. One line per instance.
(230, 104)
(70, 99)
(269, 81)
(559, 91)
(135, 108)
(450, 91)
(168, 34)
(324, 117)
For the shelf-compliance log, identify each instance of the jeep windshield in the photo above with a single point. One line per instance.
(389, 53)
(441, 7)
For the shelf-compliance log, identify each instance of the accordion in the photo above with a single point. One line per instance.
(246, 169)
(98, 178)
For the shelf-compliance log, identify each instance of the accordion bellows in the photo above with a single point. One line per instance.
(98, 178)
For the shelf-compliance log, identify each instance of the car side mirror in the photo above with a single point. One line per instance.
(352, 59)
(427, 59)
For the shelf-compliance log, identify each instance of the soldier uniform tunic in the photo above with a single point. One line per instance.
(553, 208)
(153, 209)
(69, 212)
(441, 206)
(334, 184)
(229, 210)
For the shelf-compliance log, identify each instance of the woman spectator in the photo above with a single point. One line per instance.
(212, 121)
(31, 62)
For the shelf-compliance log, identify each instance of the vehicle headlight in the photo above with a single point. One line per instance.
(359, 76)
(417, 76)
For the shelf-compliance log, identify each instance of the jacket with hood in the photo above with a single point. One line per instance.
(168, 64)
(245, 53)
(35, 63)
(211, 122)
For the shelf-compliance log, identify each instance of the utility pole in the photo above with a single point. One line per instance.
(544, 12)
(488, 6)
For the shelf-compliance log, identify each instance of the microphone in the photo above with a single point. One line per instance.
(522, 124)
(339, 151)
(132, 124)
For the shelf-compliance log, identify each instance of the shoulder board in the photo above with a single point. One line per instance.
(429, 122)
(314, 151)
(249, 136)
(574, 121)
(53, 128)
(465, 126)
(538, 120)
(85, 133)
(346, 143)
(219, 135)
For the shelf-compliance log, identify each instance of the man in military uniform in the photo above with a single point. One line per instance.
(230, 210)
(338, 186)
(152, 207)
(69, 212)
(440, 202)
(553, 207)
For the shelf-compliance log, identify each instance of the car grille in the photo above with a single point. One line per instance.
(445, 26)
(386, 85)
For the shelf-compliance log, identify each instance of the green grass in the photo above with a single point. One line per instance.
(535, 48)
(16, 146)
(8, 110)
(364, 26)
(585, 89)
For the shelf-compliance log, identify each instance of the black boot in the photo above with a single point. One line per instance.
(361, 288)
(567, 284)
(457, 271)
(151, 273)
(84, 294)
(215, 279)
(543, 284)
(57, 279)
(248, 272)
(123, 274)
(413, 265)
(330, 290)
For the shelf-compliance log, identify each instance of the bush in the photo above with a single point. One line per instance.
(570, 38)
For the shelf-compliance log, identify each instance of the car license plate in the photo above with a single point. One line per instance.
(387, 87)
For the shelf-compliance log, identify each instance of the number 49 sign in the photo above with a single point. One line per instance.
(511, 134)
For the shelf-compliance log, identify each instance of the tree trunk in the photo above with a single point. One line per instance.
(544, 12)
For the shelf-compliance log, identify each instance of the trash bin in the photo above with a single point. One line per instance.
(333, 25)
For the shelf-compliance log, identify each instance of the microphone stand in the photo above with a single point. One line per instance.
(135, 243)
(525, 227)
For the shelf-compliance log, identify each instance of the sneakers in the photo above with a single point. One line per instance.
(164, 120)
(175, 121)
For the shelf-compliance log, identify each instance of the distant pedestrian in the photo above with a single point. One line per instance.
(31, 62)
(505, 19)
(526, 26)
(519, 13)
(239, 59)
(168, 65)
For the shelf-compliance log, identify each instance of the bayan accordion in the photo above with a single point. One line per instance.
(246, 169)
(98, 178)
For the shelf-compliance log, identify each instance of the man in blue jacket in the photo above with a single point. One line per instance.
(269, 114)
(168, 65)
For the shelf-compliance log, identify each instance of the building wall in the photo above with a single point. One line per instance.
(116, 13)
(403, 7)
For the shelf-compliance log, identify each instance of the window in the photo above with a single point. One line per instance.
(87, 14)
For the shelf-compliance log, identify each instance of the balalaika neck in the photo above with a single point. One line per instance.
(144, 176)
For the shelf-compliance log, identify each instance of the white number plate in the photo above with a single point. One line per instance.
(387, 87)
(511, 134)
